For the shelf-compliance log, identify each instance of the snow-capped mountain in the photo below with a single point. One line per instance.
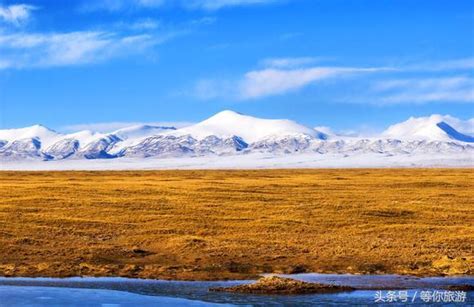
(40, 142)
(434, 128)
(140, 131)
(230, 133)
(251, 129)
(131, 136)
(38, 132)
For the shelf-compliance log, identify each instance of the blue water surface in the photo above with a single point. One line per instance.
(139, 292)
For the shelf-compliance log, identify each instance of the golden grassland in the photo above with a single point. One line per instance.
(236, 224)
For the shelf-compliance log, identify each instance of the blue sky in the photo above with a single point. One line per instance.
(341, 63)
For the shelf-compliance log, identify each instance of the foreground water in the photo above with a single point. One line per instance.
(136, 292)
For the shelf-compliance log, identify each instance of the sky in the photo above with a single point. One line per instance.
(352, 65)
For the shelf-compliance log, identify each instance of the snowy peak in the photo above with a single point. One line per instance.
(35, 131)
(133, 135)
(43, 135)
(139, 131)
(84, 137)
(232, 133)
(435, 127)
(250, 129)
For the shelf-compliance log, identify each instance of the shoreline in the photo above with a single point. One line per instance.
(278, 283)
(251, 277)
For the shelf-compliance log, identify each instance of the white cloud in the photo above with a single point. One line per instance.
(208, 5)
(145, 24)
(284, 75)
(150, 3)
(16, 14)
(449, 65)
(112, 126)
(24, 50)
(203, 21)
(288, 62)
(118, 5)
(212, 5)
(425, 90)
(467, 63)
(270, 81)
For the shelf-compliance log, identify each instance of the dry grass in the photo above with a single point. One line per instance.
(235, 224)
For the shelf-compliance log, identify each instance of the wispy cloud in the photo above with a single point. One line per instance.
(112, 126)
(272, 80)
(119, 5)
(424, 90)
(447, 65)
(26, 50)
(16, 14)
(143, 24)
(280, 76)
(219, 4)
(203, 21)
(207, 5)
(288, 62)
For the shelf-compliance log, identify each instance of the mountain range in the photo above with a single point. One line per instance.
(230, 133)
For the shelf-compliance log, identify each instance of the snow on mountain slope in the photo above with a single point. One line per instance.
(25, 149)
(99, 149)
(84, 137)
(42, 134)
(133, 135)
(62, 149)
(232, 134)
(47, 137)
(250, 129)
(184, 145)
(325, 132)
(435, 127)
(86, 142)
(140, 131)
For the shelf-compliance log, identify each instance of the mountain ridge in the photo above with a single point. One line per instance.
(230, 133)
(434, 127)
(230, 123)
